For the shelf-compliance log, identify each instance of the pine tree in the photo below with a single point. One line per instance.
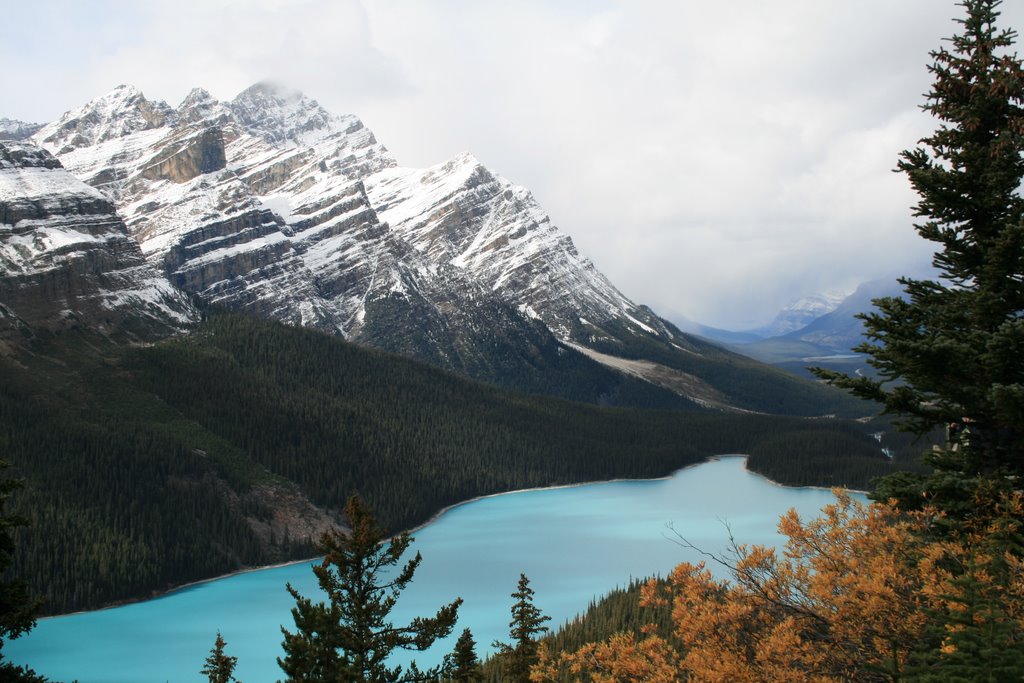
(18, 609)
(220, 668)
(951, 353)
(975, 640)
(349, 638)
(527, 623)
(465, 664)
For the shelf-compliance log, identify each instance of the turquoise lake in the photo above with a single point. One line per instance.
(574, 543)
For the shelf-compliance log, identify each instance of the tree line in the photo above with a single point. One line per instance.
(143, 463)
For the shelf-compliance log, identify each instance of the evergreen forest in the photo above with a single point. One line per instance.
(150, 466)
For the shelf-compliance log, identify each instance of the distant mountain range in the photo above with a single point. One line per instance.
(272, 205)
(17, 130)
(819, 330)
(800, 313)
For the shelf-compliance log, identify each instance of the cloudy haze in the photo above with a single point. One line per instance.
(714, 159)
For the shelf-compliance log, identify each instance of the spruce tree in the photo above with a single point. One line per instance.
(349, 637)
(527, 623)
(18, 609)
(465, 664)
(951, 352)
(220, 668)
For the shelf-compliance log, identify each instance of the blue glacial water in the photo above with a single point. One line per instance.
(574, 543)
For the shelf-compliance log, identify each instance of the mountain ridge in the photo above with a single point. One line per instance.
(270, 204)
(826, 340)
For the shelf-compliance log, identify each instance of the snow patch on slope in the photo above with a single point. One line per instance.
(676, 381)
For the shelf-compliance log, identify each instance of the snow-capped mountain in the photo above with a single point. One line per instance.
(205, 221)
(839, 328)
(66, 256)
(273, 178)
(801, 312)
(272, 193)
(828, 339)
(271, 204)
(461, 213)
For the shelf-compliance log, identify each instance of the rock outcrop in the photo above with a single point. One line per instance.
(184, 160)
(66, 256)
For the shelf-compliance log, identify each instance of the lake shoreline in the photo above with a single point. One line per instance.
(805, 486)
(556, 487)
(183, 587)
(433, 518)
(575, 543)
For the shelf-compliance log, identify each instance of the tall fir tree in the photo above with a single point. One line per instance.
(18, 608)
(349, 637)
(220, 667)
(951, 352)
(465, 663)
(526, 625)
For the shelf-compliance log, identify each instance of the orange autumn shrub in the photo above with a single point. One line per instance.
(856, 594)
(839, 601)
(621, 659)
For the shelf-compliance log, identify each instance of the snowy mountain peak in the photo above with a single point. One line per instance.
(817, 304)
(280, 115)
(269, 90)
(122, 111)
(286, 119)
(200, 105)
(461, 213)
(11, 129)
(801, 311)
(196, 96)
(463, 158)
(461, 171)
(125, 91)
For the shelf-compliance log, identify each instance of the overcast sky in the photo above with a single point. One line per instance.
(714, 159)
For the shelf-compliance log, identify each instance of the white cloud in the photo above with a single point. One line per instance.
(714, 159)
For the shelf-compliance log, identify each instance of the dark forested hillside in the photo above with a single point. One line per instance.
(808, 457)
(151, 466)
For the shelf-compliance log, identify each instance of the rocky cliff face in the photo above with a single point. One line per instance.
(186, 159)
(462, 214)
(66, 257)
